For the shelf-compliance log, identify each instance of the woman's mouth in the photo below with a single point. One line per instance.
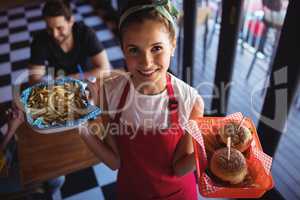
(147, 73)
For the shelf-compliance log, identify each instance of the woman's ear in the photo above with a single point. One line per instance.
(173, 47)
(173, 52)
(174, 42)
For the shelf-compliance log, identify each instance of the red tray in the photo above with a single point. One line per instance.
(259, 163)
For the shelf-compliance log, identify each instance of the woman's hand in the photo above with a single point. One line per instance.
(184, 159)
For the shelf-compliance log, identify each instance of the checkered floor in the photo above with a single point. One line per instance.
(17, 26)
(99, 183)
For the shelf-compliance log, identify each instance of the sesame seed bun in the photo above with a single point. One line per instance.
(240, 139)
(233, 170)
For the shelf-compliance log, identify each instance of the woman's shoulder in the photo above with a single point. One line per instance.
(182, 88)
(116, 82)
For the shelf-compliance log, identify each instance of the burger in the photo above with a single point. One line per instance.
(232, 170)
(240, 138)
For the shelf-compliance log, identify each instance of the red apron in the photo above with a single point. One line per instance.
(146, 160)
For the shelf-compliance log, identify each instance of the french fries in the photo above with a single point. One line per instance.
(56, 104)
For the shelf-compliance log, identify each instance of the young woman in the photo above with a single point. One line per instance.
(145, 110)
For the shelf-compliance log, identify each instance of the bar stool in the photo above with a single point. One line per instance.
(271, 20)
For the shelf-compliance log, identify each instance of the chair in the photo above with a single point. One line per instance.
(271, 20)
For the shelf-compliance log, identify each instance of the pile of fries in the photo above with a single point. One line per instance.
(57, 104)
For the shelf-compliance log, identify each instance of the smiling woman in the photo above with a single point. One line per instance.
(150, 59)
(154, 157)
(148, 54)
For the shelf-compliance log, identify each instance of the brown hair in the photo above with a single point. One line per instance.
(55, 8)
(147, 14)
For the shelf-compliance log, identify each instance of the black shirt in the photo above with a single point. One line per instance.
(45, 51)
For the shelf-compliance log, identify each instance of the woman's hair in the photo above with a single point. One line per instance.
(55, 8)
(146, 14)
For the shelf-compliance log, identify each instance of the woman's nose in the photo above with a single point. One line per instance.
(146, 60)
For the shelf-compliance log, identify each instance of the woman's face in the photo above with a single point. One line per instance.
(147, 48)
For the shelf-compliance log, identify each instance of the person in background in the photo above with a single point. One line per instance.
(71, 48)
(16, 118)
(145, 110)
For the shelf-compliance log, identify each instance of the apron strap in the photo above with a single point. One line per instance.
(122, 101)
(173, 103)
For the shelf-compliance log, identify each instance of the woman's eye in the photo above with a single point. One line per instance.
(133, 51)
(156, 49)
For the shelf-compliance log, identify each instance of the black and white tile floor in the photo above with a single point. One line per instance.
(16, 28)
(97, 182)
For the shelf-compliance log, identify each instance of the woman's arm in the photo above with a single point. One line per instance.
(106, 149)
(184, 160)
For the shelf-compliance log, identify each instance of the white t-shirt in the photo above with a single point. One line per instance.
(149, 111)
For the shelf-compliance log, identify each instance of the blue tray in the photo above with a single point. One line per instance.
(40, 126)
